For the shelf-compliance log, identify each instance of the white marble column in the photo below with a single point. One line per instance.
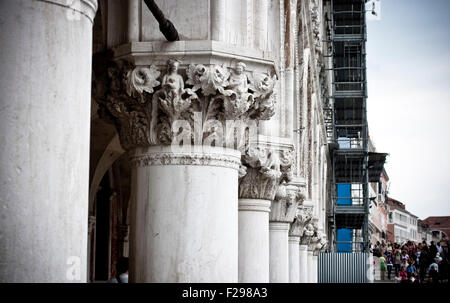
(254, 240)
(294, 259)
(261, 13)
(262, 171)
(184, 206)
(45, 102)
(315, 260)
(289, 76)
(282, 213)
(218, 19)
(279, 252)
(184, 217)
(303, 260)
(307, 231)
(310, 265)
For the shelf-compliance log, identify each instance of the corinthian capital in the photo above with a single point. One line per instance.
(321, 244)
(146, 104)
(301, 220)
(265, 170)
(284, 207)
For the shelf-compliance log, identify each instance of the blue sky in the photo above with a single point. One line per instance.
(408, 59)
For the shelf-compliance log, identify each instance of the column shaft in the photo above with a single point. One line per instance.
(254, 240)
(184, 217)
(261, 9)
(279, 252)
(45, 101)
(310, 267)
(218, 20)
(134, 20)
(294, 259)
(315, 269)
(303, 254)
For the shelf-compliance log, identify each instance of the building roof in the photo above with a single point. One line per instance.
(395, 204)
(438, 221)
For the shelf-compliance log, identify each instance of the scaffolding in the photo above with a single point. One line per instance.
(353, 166)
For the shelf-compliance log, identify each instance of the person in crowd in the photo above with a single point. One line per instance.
(389, 265)
(122, 271)
(433, 273)
(397, 261)
(411, 269)
(403, 275)
(389, 248)
(423, 262)
(433, 251)
(397, 278)
(405, 258)
(439, 248)
(383, 267)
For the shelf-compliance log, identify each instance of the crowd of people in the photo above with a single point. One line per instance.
(413, 262)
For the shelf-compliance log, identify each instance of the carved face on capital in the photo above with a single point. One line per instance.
(240, 67)
(172, 65)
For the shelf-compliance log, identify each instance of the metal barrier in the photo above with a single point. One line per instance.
(345, 268)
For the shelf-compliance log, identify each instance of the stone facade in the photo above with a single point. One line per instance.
(208, 155)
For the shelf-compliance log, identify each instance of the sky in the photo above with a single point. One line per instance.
(408, 70)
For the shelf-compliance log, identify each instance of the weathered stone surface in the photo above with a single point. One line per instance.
(144, 106)
(285, 205)
(263, 170)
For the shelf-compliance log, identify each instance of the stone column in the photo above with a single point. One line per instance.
(282, 214)
(254, 240)
(261, 13)
(45, 106)
(303, 260)
(320, 246)
(218, 19)
(314, 245)
(184, 216)
(184, 206)
(134, 20)
(290, 10)
(306, 232)
(295, 232)
(294, 259)
(91, 248)
(310, 264)
(261, 173)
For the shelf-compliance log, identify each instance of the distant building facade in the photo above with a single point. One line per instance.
(402, 225)
(439, 227)
(424, 231)
(378, 218)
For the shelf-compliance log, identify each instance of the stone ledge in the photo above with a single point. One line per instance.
(194, 52)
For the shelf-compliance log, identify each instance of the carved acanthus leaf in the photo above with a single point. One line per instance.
(284, 207)
(144, 105)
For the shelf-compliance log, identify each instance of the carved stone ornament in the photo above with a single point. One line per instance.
(265, 170)
(308, 232)
(315, 22)
(321, 244)
(91, 224)
(315, 239)
(144, 102)
(302, 219)
(284, 207)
